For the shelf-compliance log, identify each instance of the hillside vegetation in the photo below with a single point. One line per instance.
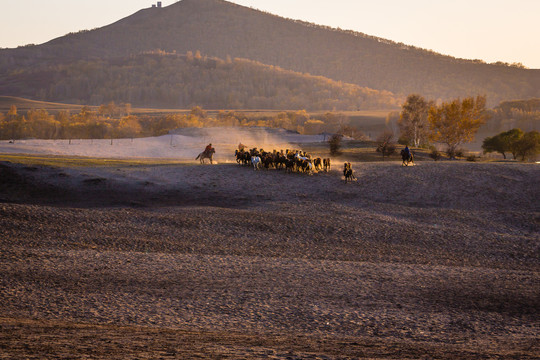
(174, 81)
(219, 29)
(524, 114)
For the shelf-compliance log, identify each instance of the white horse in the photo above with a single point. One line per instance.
(256, 162)
(305, 160)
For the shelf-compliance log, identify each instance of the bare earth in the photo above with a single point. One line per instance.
(439, 260)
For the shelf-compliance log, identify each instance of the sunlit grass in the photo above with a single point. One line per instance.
(72, 161)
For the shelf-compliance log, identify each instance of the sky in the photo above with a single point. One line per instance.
(490, 30)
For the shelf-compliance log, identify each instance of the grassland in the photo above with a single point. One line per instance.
(70, 161)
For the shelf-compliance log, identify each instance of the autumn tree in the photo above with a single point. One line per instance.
(352, 132)
(127, 109)
(86, 114)
(313, 126)
(385, 143)
(109, 110)
(14, 126)
(42, 125)
(456, 122)
(12, 111)
(413, 120)
(97, 129)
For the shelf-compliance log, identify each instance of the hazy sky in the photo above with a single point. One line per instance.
(491, 30)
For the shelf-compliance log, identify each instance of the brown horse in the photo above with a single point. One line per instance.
(326, 164)
(317, 163)
(206, 155)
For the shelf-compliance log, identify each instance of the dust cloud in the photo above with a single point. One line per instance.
(180, 144)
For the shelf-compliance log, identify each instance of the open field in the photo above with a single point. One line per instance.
(131, 249)
(155, 258)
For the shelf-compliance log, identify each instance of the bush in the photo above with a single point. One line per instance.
(385, 143)
(403, 141)
(435, 154)
(471, 157)
(454, 153)
(335, 144)
(386, 149)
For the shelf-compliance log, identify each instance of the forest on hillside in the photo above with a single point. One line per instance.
(112, 121)
(523, 114)
(159, 79)
(219, 28)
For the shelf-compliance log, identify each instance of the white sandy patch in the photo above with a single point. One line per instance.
(182, 144)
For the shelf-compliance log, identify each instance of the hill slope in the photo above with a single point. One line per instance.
(173, 81)
(219, 28)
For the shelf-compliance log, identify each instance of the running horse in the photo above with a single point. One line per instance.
(348, 172)
(206, 155)
(407, 158)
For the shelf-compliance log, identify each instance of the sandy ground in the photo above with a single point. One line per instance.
(439, 260)
(182, 144)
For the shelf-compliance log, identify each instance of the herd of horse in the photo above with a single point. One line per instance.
(288, 160)
(291, 161)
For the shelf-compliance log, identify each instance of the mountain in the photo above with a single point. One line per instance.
(221, 29)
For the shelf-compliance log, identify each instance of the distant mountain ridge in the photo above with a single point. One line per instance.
(222, 29)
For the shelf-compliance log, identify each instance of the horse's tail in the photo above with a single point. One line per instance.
(198, 156)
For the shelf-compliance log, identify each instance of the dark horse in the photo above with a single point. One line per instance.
(206, 155)
(407, 158)
(348, 172)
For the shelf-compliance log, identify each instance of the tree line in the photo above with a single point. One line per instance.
(421, 122)
(456, 122)
(117, 121)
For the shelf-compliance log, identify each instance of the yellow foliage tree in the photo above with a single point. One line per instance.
(12, 111)
(455, 123)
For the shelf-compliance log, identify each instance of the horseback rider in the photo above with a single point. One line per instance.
(348, 172)
(346, 167)
(407, 152)
(208, 149)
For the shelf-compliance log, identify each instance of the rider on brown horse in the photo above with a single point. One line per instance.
(208, 149)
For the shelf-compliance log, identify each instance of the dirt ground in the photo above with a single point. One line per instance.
(440, 260)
